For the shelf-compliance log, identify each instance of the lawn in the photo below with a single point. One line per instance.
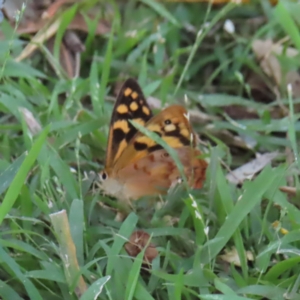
(234, 67)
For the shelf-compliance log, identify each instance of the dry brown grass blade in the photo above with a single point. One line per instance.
(32, 123)
(39, 39)
(67, 249)
(292, 191)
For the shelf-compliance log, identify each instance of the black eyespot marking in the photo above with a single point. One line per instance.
(154, 148)
(103, 176)
(168, 122)
(166, 154)
(185, 141)
(176, 133)
(124, 116)
(140, 146)
(119, 135)
(131, 133)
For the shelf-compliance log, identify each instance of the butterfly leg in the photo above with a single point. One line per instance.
(127, 207)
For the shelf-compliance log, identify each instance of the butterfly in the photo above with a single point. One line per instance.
(136, 165)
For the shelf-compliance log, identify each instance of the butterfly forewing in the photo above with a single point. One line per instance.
(171, 124)
(130, 105)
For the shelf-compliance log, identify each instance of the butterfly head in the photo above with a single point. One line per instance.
(103, 176)
(109, 185)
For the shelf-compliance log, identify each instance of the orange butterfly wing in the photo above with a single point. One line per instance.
(135, 164)
(130, 105)
(156, 172)
(171, 124)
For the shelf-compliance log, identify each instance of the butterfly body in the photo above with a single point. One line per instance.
(135, 164)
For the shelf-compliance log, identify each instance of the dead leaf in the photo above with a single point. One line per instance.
(231, 256)
(260, 91)
(137, 242)
(32, 22)
(42, 4)
(73, 42)
(293, 78)
(54, 7)
(79, 23)
(67, 60)
(12, 7)
(248, 170)
(266, 51)
(239, 112)
(32, 124)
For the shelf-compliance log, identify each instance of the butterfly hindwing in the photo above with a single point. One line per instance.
(155, 173)
(130, 105)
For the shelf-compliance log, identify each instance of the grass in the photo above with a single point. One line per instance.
(57, 242)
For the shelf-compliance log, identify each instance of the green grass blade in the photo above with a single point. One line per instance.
(17, 183)
(199, 38)
(107, 66)
(141, 293)
(134, 275)
(7, 292)
(228, 206)
(121, 238)
(223, 297)
(95, 289)
(260, 185)
(179, 285)
(285, 20)
(32, 291)
(161, 10)
(76, 219)
(66, 18)
(7, 176)
(63, 173)
(94, 89)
